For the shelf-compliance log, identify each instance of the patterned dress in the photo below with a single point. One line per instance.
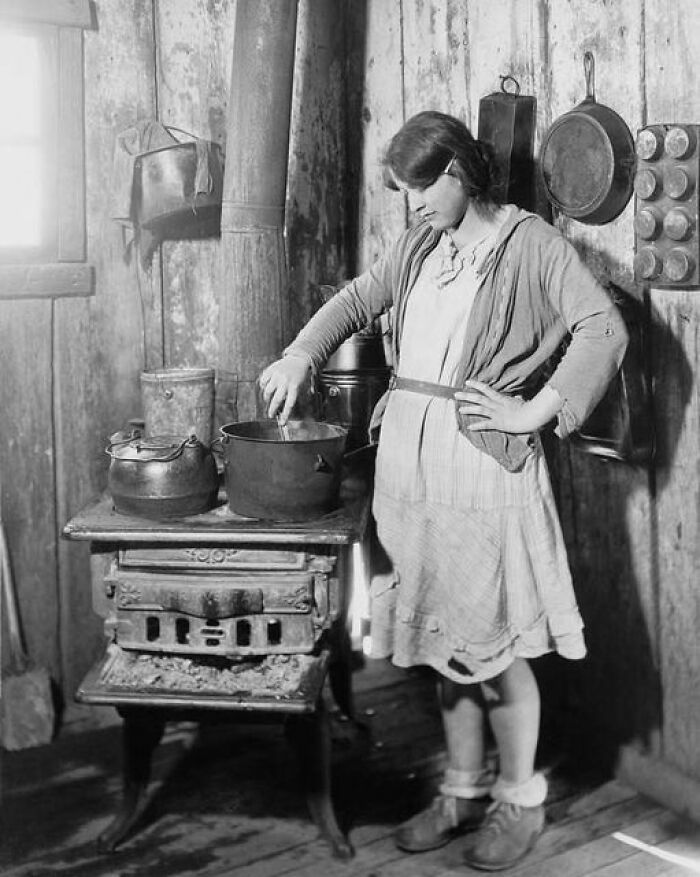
(480, 574)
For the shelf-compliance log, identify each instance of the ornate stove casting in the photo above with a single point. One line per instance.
(218, 601)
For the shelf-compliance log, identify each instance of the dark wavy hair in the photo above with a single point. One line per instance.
(424, 146)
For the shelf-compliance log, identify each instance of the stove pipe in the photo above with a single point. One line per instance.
(253, 307)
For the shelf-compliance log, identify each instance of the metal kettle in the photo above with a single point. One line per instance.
(161, 476)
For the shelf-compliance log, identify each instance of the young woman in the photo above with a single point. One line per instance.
(481, 297)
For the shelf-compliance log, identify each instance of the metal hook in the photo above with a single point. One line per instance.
(509, 78)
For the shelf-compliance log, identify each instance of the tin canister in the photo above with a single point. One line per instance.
(178, 402)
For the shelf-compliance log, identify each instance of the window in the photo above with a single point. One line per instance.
(27, 224)
(42, 175)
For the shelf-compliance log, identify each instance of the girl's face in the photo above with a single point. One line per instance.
(442, 204)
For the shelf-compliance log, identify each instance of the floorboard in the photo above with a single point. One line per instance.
(225, 801)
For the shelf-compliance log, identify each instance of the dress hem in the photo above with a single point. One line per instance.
(498, 665)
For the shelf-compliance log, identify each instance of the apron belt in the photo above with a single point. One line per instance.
(424, 387)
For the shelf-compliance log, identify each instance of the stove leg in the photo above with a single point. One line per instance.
(340, 672)
(310, 735)
(340, 678)
(141, 733)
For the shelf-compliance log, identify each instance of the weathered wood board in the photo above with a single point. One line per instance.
(317, 184)
(26, 474)
(606, 508)
(193, 78)
(382, 213)
(672, 90)
(100, 340)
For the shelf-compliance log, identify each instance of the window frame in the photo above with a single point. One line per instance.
(59, 268)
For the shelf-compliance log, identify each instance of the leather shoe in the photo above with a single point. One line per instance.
(446, 818)
(507, 834)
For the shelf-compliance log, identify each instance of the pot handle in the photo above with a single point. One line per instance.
(121, 438)
(321, 464)
(145, 445)
(181, 131)
(589, 72)
(362, 450)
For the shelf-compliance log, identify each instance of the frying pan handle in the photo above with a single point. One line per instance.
(589, 72)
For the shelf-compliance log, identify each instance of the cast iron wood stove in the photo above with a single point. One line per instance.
(213, 615)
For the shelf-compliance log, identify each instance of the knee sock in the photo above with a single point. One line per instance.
(467, 783)
(530, 793)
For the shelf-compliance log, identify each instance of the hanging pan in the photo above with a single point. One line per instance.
(587, 159)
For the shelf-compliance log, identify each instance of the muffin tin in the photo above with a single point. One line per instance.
(666, 183)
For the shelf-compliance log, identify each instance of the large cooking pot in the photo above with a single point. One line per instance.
(363, 350)
(587, 159)
(161, 476)
(349, 399)
(282, 475)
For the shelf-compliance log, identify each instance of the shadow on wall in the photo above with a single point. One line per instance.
(609, 517)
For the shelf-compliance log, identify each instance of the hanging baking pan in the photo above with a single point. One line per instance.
(507, 124)
(587, 159)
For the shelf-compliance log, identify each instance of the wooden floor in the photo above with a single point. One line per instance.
(226, 801)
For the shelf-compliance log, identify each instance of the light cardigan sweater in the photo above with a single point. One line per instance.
(535, 293)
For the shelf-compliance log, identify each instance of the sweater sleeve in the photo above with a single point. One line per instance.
(598, 333)
(348, 311)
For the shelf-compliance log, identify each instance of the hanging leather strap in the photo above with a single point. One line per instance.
(424, 387)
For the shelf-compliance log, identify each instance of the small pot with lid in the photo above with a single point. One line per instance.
(161, 476)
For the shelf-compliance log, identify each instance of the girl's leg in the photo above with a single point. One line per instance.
(516, 818)
(462, 708)
(466, 785)
(514, 713)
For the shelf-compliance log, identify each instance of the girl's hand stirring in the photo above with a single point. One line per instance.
(281, 382)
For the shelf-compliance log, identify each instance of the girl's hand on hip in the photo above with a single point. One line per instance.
(281, 382)
(496, 410)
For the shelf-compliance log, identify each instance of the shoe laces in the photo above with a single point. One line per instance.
(499, 816)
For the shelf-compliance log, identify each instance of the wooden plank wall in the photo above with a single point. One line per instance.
(194, 42)
(71, 366)
(606, 505)
(99, 341)
(672, 92)
(632, 531)
(27, 470)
